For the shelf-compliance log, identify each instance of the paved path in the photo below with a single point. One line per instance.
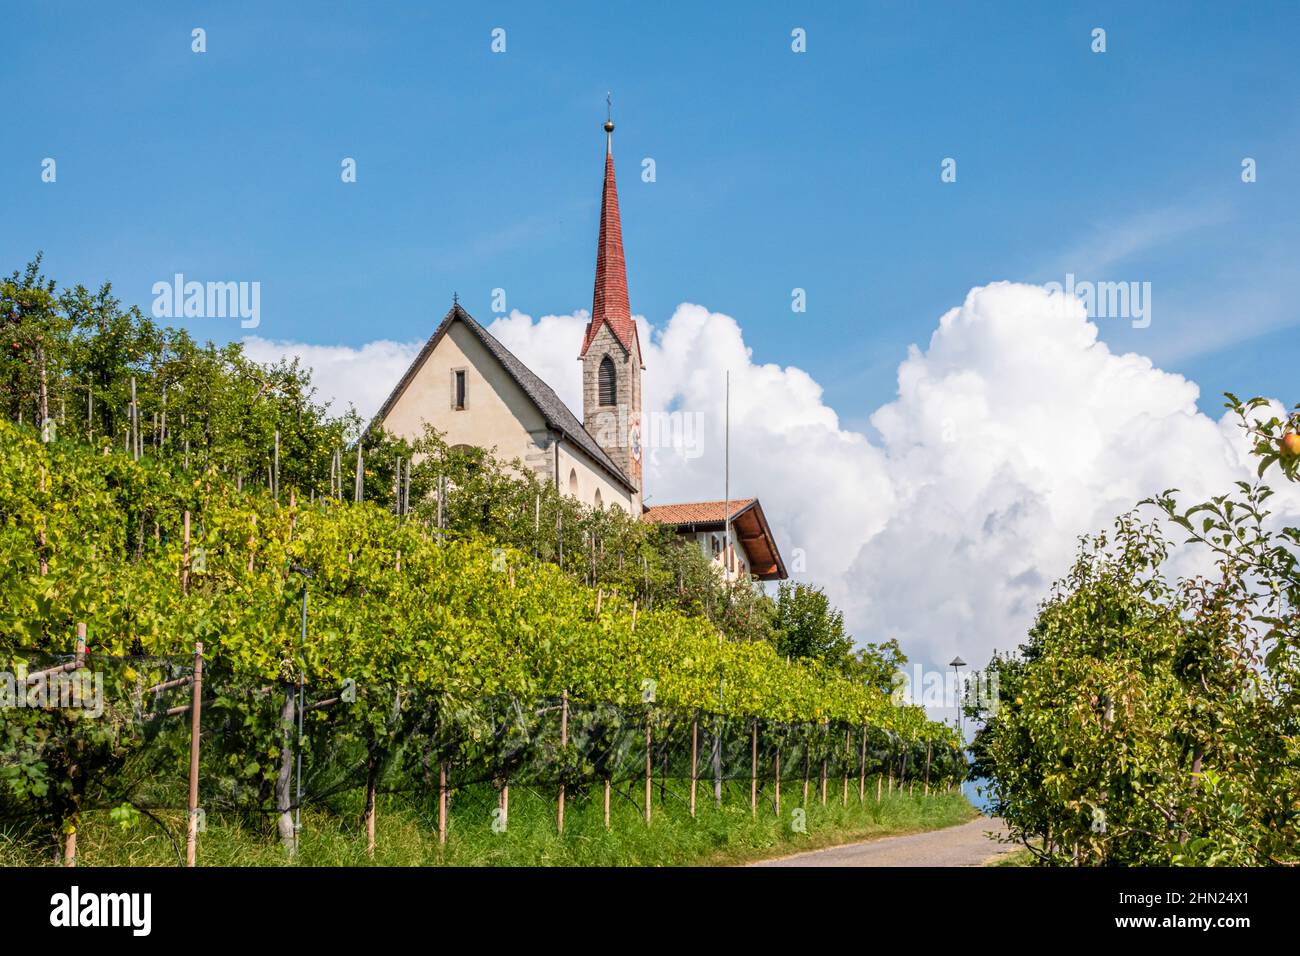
(962, 845)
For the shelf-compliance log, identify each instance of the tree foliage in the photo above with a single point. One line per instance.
(1155, 722)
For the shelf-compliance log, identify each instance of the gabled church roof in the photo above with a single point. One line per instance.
(609, 303)
(554, 411)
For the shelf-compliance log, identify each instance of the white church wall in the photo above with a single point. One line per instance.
(497, 413)
(590, 479)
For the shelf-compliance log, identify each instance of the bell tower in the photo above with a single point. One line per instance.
(611, 351)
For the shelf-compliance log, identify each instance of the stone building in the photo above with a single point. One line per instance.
(476, 392)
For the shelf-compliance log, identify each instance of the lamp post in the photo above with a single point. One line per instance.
(956, 664)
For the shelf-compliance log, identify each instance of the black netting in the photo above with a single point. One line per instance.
(117, 733)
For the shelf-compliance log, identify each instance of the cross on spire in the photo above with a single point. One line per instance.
(609, 124)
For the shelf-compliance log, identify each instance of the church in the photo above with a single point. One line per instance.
(473, 390)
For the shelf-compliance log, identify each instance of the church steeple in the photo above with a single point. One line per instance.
(609, 305)
(611, 351)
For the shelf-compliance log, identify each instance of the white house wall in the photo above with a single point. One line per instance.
(741, 568)
(498, 415)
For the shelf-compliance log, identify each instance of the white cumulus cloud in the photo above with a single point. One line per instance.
(343, 376)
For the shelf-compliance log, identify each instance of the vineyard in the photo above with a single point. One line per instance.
(433, 658)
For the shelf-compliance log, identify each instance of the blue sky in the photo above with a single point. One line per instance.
(775, 170)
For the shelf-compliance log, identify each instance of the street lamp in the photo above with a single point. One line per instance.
(956, 664)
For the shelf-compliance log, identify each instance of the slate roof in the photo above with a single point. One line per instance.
(554, 411)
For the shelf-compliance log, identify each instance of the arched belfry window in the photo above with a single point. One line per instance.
(607, 382)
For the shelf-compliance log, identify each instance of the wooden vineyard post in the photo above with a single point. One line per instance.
(648, 773)
(284, 777)
(695, 737)
(252, 543)
(357, 481)
(564, 743)
(862, 768)
(40, 538)
(442, 803)
(504, 800)
(192, 837)
(824, 725)
(371, 795)
(185, 556)
(848, 749)
(776, 777)
(927, 768)
(607, 787)
(879, 779)
(135, 424)
(70, 839)
(718, 725)
(807, 758)
(753, 767)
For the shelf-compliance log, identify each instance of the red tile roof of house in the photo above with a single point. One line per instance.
(609, 305)
(694, 512)
(748, 523)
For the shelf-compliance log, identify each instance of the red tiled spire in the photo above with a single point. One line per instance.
(610, 304)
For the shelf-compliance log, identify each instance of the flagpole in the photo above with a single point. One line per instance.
(726, 482)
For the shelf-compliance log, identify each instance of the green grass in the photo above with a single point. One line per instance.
(1021, 857)
(407, 833)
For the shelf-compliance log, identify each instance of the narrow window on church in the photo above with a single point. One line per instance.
(607, 382)
(458, 389)
(573, 482)
(597, 501)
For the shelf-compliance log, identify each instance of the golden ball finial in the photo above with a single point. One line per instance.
(609, 126)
